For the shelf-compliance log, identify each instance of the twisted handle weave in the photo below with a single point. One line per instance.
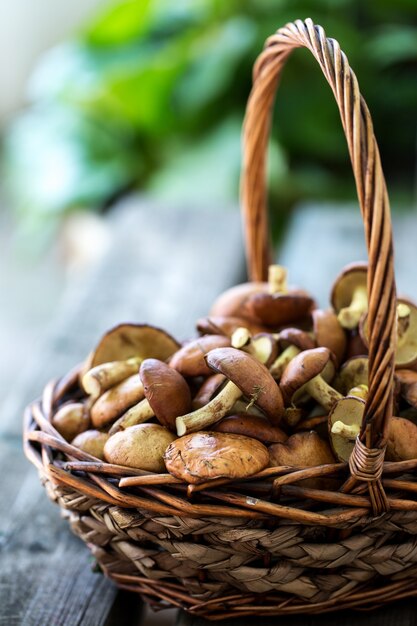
(371, 190)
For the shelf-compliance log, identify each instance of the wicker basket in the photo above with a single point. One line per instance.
(261, 547)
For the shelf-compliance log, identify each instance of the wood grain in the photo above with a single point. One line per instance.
(165, 267)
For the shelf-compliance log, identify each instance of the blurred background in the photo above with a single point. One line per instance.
(101, 99)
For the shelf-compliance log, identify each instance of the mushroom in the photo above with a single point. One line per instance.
(71, 420)
(167, 395)
(204, 456)
(329, 333)
(246, 376)
(141, 447)
(251, 426)
(402, 440)
(344, 422)
(262, 346)
(270, 303)
(116, 401)
(292, 341)
(208, 390)
(354, 372)
(133, 340)
(407, 379)
(92, 442)
(355, 345)
(360, 391)
(349, 296)
(303, 449)
(279, 309)
(406, 350)
(217, 325)
(231, 302)
(101, 377)
(189, 360)
(307, 373)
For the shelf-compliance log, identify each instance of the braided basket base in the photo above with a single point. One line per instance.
(292, 550)
(220, 567)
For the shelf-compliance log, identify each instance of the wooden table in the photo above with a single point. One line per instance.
(165, 267)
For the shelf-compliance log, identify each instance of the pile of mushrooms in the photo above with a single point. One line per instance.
(271, 380)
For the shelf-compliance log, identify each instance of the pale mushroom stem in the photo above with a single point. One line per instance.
(403, 321)
(322, 392)
(348, 431)
(277, 279)
(100, 378)
(211, 412)
(240, 337)
(359, 391)
(137, 414)
(281, 362)
(349, 316)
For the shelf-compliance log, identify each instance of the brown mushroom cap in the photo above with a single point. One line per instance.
(221, 325)
(166, 391)
(203, 456)
(92, 442)
(116, 401)
(232, 301)
(208, 390)
(71, 420)
(303, 449)
(141, 446)
(295, 337)
(251, 426)
(349, 411)
(278, 309)
(402, 440)
(355, 345)
(407, 379)
(252, 378)
(352, 276)
(329, 333)
(353, 372)
(129, 340)
(189, 360)
(303, 368)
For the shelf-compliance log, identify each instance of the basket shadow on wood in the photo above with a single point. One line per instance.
(270, 544)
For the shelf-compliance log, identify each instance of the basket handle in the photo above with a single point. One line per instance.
(372, 195)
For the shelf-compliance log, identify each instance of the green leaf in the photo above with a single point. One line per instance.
(120, 22)
(56, 160)
(392, 45)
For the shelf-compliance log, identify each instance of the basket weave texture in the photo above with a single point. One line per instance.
(267, 545)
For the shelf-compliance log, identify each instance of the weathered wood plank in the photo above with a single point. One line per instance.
(164, 267)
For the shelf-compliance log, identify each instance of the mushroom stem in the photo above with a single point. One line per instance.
(322, 392)
(281, 362)
(403, 321)
(277, 279)
(211, 412)
(348, 431)
(359, 391)
(106, 375)
(350, 315)
(240, 337)
(137, 414)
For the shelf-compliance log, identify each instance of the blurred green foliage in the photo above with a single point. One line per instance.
(152, 93)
